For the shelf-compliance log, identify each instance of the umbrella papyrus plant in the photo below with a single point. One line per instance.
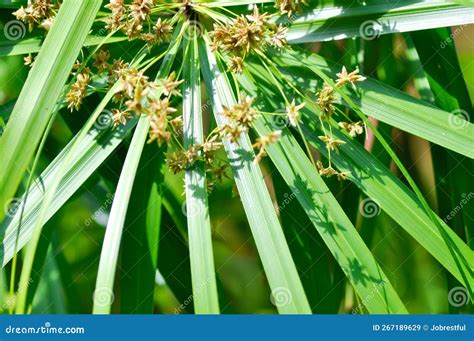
(195, 93)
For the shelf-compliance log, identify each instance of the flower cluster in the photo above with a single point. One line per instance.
(135, 21)
(29, 60)
(263, 142)
(240, 118)
(136, 95)
(290, 6)
(140, 96)
(293, 112)
(325, 101)
(78, 90)
(353, 129)
(245, 34)
(216, 170)
(83, 76)
(38, 13)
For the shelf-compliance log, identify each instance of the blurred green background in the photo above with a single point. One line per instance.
(77, 230)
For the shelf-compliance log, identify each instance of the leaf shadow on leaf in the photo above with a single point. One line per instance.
(351, 15)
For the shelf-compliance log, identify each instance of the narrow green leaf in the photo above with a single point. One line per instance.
(390, 194)
(310, 253)
(388, 105)
(41, 91)
(50, 298)
(464, 2)
(173, 258)
(370, 20)
(333, 225)
(103, 294)
(141, 234)
(48, 198)
(433, 50)
(88, 150)
(33, 44)
(92, 151)
(287, 290)
(330, 221)
(197, 210)
(436, 83)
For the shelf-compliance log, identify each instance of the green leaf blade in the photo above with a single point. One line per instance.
(197, 209)
(273, 249)
(41, 91)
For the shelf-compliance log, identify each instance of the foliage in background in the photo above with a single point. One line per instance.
(326, 158)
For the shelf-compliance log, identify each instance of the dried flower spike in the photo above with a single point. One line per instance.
(29, 60)
(325, 171)
(331, 142)
(353, 129)
(38, 12)
(78, 90)
(242, 113)
(290, 6)
(247, 33)
(236, 65)
(101, 59)
(263, 142)
(170, 85)
(353, 77)
(293, 112)
(326, 101)
(120, 117)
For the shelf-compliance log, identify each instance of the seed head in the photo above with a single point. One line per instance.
(29, 60)
(353, 129)
(236, 64)
(290, 6)
(263, 142)
(170, 85)
(245, 34)
(325, 101)
(158, 132)
(242, 113)
(120, 117)
(76, 94)
(353, 77)
(331, 142)
(101, 60)
(293, 112)
(36, 13)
